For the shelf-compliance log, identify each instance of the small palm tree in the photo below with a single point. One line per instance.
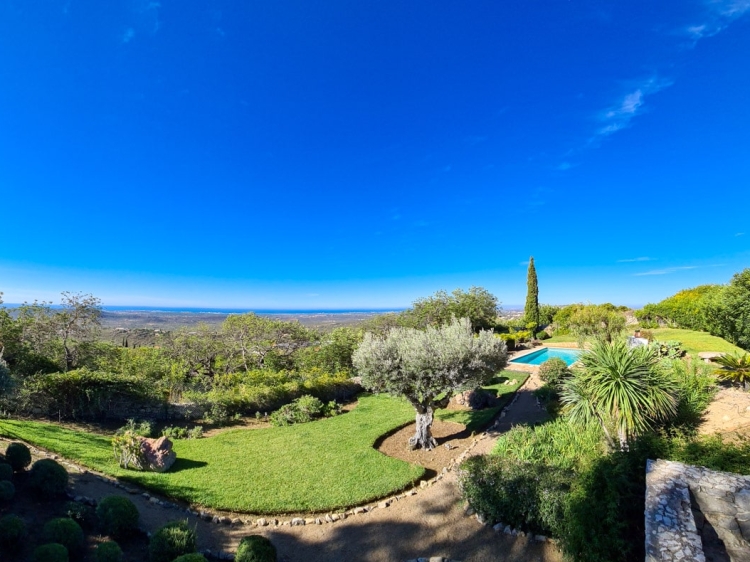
(735, 368)
(622, 389)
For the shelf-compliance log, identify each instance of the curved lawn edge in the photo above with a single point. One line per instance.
(321, 466)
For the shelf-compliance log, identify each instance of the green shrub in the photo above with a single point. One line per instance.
(18, 456)
(117, 515)
(305, 409)
(192, 557)
(7, 490)
(543, 335)
(521, 494)
(48, 478)
(81, 513)
(12, 530)
(172, 540)
(143, 428)
(553, 371)
(509, 339)
(126, 447)
(696, 386)
(255, 548)
(6, 471)
(53, 552)
(174, 432)
(109, 551)
(196, 432)
(65, 531)
(85, 393)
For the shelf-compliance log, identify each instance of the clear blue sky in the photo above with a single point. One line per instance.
(299, 154)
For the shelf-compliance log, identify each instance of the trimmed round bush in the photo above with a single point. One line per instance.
(109, 551)
(192, 557)
(65, 531)
(18, 456)
(81, 513)
(118, 516)
(6, 471)
(53, 552)
(172, 540)
(12, 530)
(48, 478)
(7, 491)
(255, 548)
(553, 371)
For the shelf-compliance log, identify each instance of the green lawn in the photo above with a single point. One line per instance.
(318, 466)
(475, 420)
(692, 341)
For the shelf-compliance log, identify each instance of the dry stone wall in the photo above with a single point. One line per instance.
(693, 513)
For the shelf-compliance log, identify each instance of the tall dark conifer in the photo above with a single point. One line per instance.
(531, 310)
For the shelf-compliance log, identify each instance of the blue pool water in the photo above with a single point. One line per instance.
(570, 356)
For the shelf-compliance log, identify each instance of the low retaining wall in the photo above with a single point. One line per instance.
(693, 513)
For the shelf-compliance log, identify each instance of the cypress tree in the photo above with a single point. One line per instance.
(531, 310)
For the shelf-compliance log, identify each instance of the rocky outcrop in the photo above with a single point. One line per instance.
(157, 454)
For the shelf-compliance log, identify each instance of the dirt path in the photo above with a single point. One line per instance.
(728, 413)
(430, 523)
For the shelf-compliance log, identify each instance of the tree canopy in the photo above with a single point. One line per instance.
(428, 366)
(477, 304)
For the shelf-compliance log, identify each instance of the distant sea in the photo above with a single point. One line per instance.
(196, 310)
(199, 310)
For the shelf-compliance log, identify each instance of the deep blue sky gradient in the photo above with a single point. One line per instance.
(300, 154)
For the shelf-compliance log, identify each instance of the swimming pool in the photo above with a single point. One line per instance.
(570, 356)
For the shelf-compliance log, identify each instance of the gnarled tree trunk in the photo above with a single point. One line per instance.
(423, 436)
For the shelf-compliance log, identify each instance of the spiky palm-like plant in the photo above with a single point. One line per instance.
(622, 389)
(735, 368)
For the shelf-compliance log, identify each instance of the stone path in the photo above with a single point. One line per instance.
(431, 523)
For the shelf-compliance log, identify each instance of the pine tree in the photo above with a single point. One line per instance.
(531, 310)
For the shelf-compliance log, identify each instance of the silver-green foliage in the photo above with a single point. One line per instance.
(428, 366)
(423, 365)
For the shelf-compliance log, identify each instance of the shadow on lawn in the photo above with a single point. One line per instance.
(186, 464)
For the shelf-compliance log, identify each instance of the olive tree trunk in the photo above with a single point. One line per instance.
(422, 437)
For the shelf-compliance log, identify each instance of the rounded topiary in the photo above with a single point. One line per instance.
(255, 548)
(117, 515)
(109, 551)
(53, 552)
(48, 478)
(7, 491)
(18, 456)
(172, 540)
(81, 513)
(192, 557)
(12, 530)
(65, 531)
(553, 371)
(6, 471)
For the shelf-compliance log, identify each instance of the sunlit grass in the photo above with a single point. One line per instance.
(317, 466)
(475, 420)
(692, 341)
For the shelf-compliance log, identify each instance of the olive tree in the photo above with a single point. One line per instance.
(427, 367)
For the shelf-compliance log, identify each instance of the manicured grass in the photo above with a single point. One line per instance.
(317, 466)
(476, 420)
(692, 341)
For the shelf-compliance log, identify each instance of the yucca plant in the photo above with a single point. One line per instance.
(623, 389)
(735, 368)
